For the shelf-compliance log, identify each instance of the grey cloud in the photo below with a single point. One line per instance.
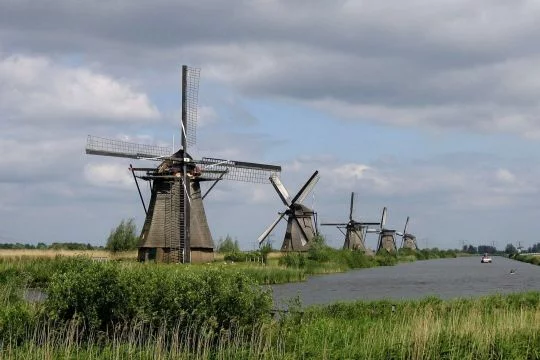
(444, 64)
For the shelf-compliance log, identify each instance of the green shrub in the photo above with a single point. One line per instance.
(87, 292)
(15, 322)
(386, 260)
(100, 294)
(294, 260)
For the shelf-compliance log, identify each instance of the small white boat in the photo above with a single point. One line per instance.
(486, 259)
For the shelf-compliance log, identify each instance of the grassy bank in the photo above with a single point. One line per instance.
(531, 259)
(324, 259)
(108, 311)
(36, 269)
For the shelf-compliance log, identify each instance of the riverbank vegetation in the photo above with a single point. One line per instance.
(122, 310)
(531, 259)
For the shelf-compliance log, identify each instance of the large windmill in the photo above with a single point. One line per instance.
(355, 231)
(387, 237)
(408, 241)
(176, 228)
(301, 220)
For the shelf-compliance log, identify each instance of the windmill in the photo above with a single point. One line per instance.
(408, 241)
(387, 239)
(301, 220)
(355, 231)
(175, 228)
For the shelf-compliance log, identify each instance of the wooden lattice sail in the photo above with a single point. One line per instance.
(408, 241)
(301, 220)
(355, 231)
(387, 237)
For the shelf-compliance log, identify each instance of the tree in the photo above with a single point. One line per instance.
(228, 245)
(534, 249)
(123, 237)
(483, 249)
(510, 249)
(265, 250)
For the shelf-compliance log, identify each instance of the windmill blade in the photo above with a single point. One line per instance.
(282, 192)
(303, 238)
(238, 170)
(383, 218)
(190, 94)
(334, 224)
(352, 206)
(117, 148)
(269, 229)
(369, 223)
(306, 189)
(406, 223)
(372, 231)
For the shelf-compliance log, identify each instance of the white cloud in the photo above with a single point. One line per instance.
(109, 175)
(35, 89)
(505, 176)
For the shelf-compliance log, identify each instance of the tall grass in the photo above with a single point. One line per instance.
(496, 327)
(144, 311)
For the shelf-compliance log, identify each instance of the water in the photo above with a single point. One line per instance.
(444, 278)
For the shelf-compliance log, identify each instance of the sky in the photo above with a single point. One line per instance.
(429, 108)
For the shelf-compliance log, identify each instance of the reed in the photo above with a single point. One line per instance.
(22, 254)
(496, 327)
(531, 259)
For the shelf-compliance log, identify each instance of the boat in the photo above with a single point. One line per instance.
(486, 259)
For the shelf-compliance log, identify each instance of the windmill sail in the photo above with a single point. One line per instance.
(117, 148)
(301, 225)
(355, 231)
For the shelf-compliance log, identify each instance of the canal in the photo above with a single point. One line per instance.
(444, 278)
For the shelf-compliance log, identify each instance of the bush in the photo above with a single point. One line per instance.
(386, 260)
(294, 260)
(87, 292)
(124, 237)
(101, 294)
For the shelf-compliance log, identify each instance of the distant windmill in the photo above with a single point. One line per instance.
(301, 220)
(355, 231)
(387, 239)
(176, 228)
(408, 241)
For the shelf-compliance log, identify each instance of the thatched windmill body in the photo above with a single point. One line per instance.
(408, 241)
(176, 228)
(387, 237)
(301, 220)
(355, 231)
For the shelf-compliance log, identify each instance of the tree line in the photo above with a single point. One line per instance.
(53, 246)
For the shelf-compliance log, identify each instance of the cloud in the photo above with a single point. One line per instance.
(34, 89)
(445, 65)
(108, 175)
(505, 176)
(438, 181)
